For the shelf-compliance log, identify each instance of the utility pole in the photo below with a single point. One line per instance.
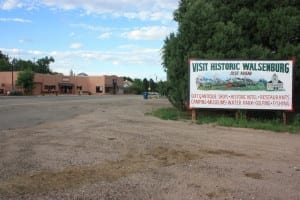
(12, 77)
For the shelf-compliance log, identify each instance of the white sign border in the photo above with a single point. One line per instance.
(208, 102)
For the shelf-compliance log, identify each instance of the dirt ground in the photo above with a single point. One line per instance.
(115, 151)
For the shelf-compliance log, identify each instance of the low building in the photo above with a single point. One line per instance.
(60, 84)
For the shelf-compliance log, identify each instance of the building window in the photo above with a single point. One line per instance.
(79, 87)
(99, 89)
(50, 87)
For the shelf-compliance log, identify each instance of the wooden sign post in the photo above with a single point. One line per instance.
(194, 114)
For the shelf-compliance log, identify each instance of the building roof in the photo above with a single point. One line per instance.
(82, 74)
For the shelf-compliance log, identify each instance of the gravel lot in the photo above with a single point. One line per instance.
(105, 147)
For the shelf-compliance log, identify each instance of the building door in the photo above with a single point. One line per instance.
(66, 88)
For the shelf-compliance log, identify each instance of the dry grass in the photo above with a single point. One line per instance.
(49, 180)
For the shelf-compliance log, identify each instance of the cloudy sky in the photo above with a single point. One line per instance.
(121, 37)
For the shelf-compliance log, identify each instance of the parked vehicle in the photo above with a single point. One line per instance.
(153, 95)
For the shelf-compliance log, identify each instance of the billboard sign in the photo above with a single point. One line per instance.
(241, 84)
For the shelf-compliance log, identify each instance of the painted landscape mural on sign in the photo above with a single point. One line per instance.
(241, 84)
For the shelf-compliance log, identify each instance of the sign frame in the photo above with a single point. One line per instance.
(241, 84)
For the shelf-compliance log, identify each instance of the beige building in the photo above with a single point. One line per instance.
(60, 84)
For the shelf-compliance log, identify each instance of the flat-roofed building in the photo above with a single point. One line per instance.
(60, 84)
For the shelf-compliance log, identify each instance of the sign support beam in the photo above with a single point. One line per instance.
(284, 118)
(194, 114)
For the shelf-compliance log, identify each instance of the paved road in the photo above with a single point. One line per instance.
(23, 112)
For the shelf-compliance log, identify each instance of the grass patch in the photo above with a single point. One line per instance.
(272, 125)
(254, 120)
(167, 113)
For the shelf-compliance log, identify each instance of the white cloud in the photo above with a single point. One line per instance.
(35, 52)
(53, 53)
(104, 5)
(24, 41)
(105, 35)
(13, 4)
(90, 27)
(99, 62)
(148, 33)
(137, 9)
(115, 62)
(162, 16)
(74, 36)
(133, 55)
(19, 20)
(75, 45)
(10, 4)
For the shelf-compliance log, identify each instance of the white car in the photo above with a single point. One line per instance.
(153, 95)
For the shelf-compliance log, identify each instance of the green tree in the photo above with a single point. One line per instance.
(152, 85)
(128, 79)
(146, 84)
(176, 69)
(21, 65)
(162, 88)
(43, 65)
(137, 86)
(218, 29)
(4, 62)
(25, 80)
